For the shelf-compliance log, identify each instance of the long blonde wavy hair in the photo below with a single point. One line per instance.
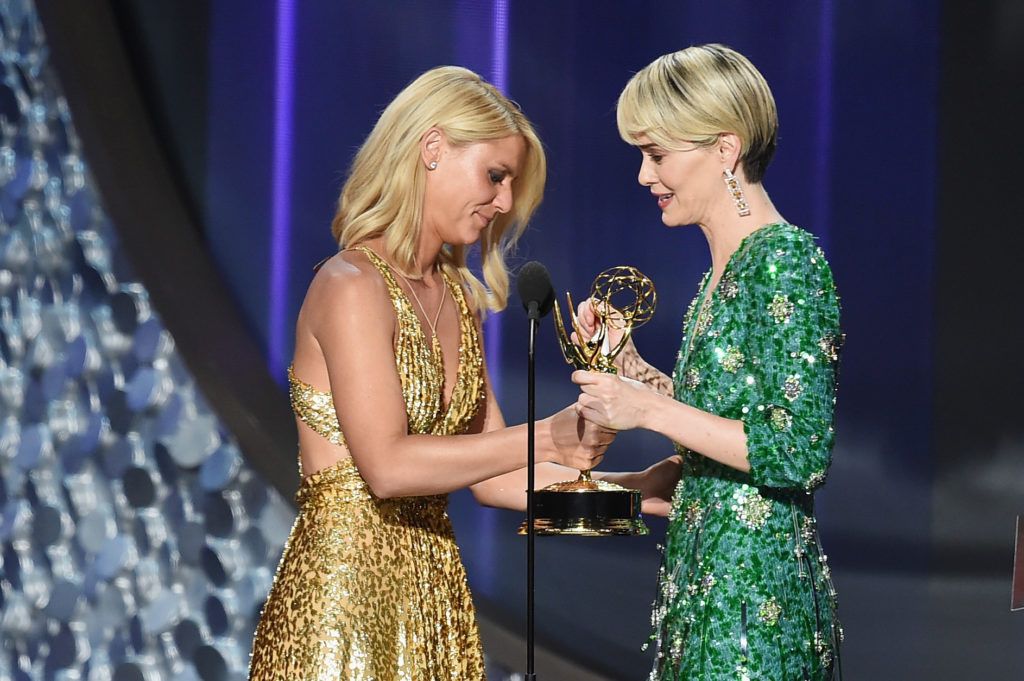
(383, 194)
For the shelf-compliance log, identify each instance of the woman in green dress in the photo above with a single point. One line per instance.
(744, 590)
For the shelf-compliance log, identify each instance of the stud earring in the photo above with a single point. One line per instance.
(736, 191)
(433, 165)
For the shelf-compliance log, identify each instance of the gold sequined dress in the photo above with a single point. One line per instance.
(372, 588)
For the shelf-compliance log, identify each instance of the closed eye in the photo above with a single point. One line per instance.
(497, 176)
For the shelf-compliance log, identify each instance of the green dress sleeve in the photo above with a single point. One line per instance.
(793, 339)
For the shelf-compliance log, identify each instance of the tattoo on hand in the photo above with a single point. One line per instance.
(636, 368)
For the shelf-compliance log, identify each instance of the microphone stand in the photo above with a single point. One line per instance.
(533, 312)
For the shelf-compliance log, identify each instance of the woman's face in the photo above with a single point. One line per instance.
(687, 185)
(470, 186)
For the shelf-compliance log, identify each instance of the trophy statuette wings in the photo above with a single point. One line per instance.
(622, 298)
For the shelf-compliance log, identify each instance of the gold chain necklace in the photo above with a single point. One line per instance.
(437, 316)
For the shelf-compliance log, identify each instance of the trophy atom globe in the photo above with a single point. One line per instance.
(623, 298)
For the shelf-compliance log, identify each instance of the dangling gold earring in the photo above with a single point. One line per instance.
(736, 191)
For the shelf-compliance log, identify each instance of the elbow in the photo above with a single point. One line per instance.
(384, 477)
(482, 495)
(381, 491)
(381, 483)
(493, 496)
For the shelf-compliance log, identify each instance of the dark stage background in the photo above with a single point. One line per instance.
(898, 148)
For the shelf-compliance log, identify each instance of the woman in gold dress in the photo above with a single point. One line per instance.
(392, 399)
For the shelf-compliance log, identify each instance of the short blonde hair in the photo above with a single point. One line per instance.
(383, 194)
(694, 95)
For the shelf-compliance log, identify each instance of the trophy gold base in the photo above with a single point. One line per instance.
(587, 508)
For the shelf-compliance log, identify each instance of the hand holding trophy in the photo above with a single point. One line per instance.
(622, 299)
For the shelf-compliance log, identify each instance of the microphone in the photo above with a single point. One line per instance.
(535, 290)
(534, 287)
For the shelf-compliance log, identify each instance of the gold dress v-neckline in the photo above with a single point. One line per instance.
(436, 351)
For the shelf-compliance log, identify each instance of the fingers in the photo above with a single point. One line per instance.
(585, 457)
(590, 405)
(596, 434)
(586, 320)
(585, 313)
(593, 416)
(584, 377)
(592, 389)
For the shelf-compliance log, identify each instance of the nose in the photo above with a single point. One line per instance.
(503, 199)
(647, 176)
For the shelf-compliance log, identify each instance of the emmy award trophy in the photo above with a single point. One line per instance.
(623, 298)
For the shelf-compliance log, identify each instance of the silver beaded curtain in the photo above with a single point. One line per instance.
(136, 542)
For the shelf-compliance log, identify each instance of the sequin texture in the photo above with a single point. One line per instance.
(791, 388)
(728, 287)
(374, 589)
(770, 613)
(731, 359)
(781, 309)
(314, 408)
(694, 514)
(704, 320)
(815, 479)
(779, 418)
(830, 344)
(751, 508)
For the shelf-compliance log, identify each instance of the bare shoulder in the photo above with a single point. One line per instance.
(348, 283)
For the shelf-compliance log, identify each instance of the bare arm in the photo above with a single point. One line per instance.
(509, 490)
(656, 483)
(352, 320)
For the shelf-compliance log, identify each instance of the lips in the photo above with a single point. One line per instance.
(663, 199)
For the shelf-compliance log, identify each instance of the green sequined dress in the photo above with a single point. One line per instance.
(744, 588)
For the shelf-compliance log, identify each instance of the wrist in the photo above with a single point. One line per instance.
(628, 355)
(640, 479)
(544, 446)
(650, 410)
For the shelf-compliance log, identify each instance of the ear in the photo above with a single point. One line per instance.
(729, 148)
(431, 145)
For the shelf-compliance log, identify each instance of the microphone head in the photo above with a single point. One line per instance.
(534, 287)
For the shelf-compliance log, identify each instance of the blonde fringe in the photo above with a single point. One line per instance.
(691, 96)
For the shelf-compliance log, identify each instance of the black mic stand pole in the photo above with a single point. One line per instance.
(533, 313)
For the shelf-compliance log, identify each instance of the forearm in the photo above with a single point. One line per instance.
(509, 490)
(656, 484)
(629, 480)
(418, 465)
(715, 437)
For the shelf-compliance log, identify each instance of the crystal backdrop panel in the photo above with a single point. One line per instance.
(135, 542)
